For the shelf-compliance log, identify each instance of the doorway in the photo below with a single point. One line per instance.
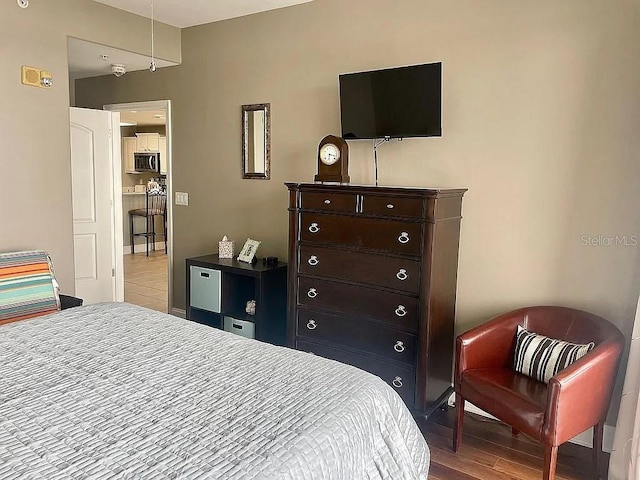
(147, 278)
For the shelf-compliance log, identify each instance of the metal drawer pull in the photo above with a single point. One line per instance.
(312, 293)
(404, 237)
(313, 228)
(327, 202)
(398, 347)
(397, 382)
(389, 205)
(312, 325)
(401, 311)
(313, 260)
(402, 275)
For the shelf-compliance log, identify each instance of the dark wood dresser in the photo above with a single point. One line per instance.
(372, 282)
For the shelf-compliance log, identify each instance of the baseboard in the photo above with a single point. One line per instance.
(142, 248)
(585, 439)
(178, 312)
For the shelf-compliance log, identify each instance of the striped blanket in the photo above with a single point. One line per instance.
(27, 286)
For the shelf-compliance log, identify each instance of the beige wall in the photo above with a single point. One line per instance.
(540, 113)
(541, 109)
(35, 178)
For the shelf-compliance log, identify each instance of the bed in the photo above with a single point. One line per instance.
(118, 391)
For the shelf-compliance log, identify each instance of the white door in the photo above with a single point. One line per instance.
(95, 157)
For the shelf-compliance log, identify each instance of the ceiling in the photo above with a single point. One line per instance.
(144, 117)
(85, 59)
(187, 13)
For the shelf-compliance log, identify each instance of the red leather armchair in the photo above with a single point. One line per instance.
(574, 400)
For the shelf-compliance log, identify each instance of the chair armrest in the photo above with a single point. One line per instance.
(67, 301)
(489, 345)
(581, 393)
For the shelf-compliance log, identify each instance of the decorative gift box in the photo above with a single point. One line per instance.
(225, 248)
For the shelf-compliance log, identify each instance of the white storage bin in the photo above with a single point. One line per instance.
(243, 328)
(206, 288)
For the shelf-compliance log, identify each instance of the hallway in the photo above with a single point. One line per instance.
(145, 280)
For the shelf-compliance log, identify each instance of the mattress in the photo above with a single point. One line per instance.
(118, 391)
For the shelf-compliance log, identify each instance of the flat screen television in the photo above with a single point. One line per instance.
(395, 103)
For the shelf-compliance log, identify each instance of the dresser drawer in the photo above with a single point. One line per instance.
(392, 206)
(402, 379)
(391, 272)
(390, 235)
(329, 202)
(360, 334)
(393, 308)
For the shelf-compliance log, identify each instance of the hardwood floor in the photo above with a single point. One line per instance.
(490, 452)
(145, 280)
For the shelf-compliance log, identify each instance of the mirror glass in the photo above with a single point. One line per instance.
(256, 126)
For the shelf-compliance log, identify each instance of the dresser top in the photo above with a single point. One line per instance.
(417, 191)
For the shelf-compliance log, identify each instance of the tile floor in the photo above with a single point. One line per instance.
(145, 280)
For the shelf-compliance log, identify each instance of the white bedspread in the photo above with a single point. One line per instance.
(118, 391)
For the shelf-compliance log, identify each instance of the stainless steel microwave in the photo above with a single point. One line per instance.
(147, 162)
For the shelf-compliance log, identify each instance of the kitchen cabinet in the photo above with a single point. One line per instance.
(148, 142)
(162, 148)
(129, 146)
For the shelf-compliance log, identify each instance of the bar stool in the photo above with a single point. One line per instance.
(155, 206)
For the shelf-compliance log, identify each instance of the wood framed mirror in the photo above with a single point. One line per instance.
(256, 143)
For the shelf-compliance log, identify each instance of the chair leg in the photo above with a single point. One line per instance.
(598, 432)
(164, 220)
(153, 231)
(131, 233)
(457, 428)
(146, 237)
(550, 458)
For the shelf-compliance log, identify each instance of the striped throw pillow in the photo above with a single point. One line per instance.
(27, 286)
(542, 357)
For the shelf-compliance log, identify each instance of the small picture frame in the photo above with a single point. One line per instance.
(248, 251)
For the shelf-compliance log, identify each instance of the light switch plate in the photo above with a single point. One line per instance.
(182, 198)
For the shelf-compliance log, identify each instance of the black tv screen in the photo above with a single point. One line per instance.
(396, 102)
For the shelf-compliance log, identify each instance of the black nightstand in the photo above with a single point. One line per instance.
(218, 290)
(67, 301)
